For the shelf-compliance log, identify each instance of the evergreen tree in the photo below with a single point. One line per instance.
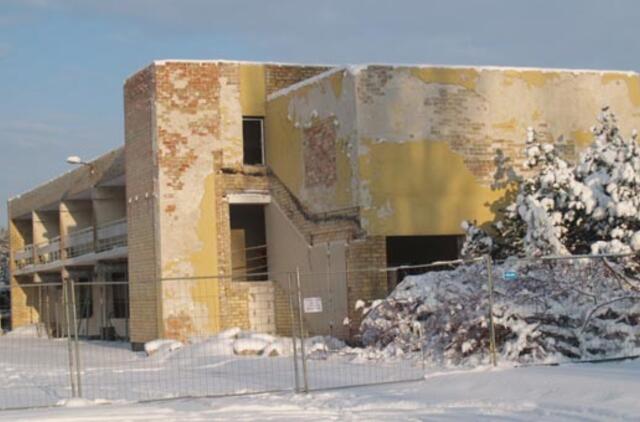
(559, 208)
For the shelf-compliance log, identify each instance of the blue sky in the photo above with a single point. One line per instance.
(63, 62)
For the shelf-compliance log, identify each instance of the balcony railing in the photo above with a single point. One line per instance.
(80, 242)
(24, 257)
(112, 235)
(47, 252)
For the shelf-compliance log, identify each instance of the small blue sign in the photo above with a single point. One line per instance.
(509, 275)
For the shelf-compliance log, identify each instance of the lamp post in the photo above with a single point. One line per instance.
(77, 161)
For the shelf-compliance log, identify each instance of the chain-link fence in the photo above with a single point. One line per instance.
(328, 322)
(35, 359)
(222, 336)
(303, 331)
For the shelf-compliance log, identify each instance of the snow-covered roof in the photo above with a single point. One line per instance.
(304, 82)
(357, 68)
(271, 63)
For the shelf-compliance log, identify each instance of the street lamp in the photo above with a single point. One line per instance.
(75, 160)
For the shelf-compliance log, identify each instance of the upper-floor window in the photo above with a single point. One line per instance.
(253, 140)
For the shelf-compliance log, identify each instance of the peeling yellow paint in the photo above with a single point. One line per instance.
(205, 261)
(537, 115)
(343, 181)
(336, 83)
(284, 151)
(582, 138)
(510, 125)
(533, 78)
(466, 78)
(252, 89)
(426, 184)
(631, 81)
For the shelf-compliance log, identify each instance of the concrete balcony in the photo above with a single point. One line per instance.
(111, 235)
(24, 258)
(81, 247)
(48, 252)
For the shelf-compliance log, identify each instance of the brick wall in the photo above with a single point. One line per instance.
(183, 125)
(281, 76)
(319, 153)
(141, 171)
(364, 281)
(248, 305)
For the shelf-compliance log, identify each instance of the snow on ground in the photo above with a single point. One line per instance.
(35, 371)
(578, 392)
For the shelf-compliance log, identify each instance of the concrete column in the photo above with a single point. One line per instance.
(22, 309)
(46, 226)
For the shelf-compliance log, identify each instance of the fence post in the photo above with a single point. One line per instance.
(492, 331)
(67, 318)
(302, 348)
(75, 338)
(293, 336)
(424, 363)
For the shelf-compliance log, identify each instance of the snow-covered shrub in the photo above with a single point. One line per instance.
(570, 309)
(563, 208)
(162, 346)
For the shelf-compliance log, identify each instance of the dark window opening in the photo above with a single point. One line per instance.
(419, 250)
(253, 140)
(248, 242)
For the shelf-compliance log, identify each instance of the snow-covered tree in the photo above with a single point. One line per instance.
(563, 208)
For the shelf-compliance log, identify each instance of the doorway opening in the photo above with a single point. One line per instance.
(248, 242)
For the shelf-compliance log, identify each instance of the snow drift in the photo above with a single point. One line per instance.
(554, 311)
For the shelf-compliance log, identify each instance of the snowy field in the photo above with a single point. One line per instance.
(35, 371)
(581, 392)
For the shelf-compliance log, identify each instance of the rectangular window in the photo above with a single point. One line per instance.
(253, 140)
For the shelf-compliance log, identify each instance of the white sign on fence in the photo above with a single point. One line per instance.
(312, 305)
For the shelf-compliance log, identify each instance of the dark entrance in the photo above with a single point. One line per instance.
(419, 250)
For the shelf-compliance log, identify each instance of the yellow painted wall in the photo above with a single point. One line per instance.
(252, 89)
(423, 158)
(330, 102)
(284, 144)
(428, 135)
(420, 188)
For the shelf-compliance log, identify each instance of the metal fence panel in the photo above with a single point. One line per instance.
(304, 331)
(333, 356)
(35, 360)
(204, 359)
